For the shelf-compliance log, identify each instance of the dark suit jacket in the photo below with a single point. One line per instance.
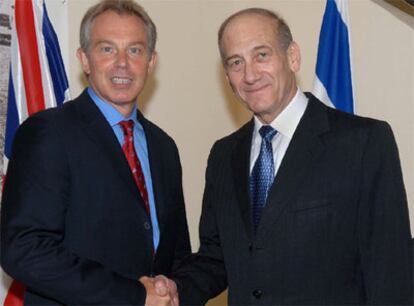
(335, 229)
(74, 229)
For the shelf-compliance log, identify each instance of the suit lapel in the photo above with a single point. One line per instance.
(100, 132)
(98, 129)
(240, 167)
(303, 150)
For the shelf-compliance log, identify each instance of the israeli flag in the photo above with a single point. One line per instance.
(333, 81)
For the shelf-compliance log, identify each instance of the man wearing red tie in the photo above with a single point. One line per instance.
(93, 200)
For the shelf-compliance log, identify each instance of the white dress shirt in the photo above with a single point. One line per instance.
(285, 124)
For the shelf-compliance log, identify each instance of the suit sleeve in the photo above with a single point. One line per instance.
(384, 230)
(35, 199)
(202, 276)
(183, 246)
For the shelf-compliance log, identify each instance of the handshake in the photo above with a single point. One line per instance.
(161, 291)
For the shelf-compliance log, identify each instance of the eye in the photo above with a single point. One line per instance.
(135, 50)
(235, 64)
(107, 49)
(263, 55)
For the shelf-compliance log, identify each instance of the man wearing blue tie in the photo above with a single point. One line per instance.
(303, 205)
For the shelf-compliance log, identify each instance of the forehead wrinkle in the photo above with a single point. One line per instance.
(255, 48)
(114, 43)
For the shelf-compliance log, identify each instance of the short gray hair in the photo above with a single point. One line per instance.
(129, 7)
(284, 36)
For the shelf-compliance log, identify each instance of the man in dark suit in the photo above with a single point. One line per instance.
(93, 199)
(303, 205)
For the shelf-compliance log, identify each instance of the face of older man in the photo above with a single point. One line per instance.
(260, 73)
(117, 62)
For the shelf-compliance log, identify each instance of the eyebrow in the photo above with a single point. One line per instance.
(100, 42)
(254, 49)
(231, 57)
(104, 41)
(262, 47)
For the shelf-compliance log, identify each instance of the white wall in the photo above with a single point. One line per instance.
(188, 97)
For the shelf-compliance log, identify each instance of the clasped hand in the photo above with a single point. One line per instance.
(161, 291)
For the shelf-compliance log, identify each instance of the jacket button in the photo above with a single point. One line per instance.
(257, 293)
(147, 226)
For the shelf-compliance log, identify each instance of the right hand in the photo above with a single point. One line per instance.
(161, 291)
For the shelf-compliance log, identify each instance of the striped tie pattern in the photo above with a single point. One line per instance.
(133, 161)
(262, 175)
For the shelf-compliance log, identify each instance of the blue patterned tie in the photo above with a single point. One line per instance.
(262, 174)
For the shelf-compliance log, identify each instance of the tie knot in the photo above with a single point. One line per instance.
(267, 132)
(127, 126)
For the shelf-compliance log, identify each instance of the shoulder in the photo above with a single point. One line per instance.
(155, 133)
(58, 113)
(359, 127)
(239, 139)
(49, 123)
(342, 123)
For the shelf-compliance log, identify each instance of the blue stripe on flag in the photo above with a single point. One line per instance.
(54, 58)
(12, 121)
(333, 66)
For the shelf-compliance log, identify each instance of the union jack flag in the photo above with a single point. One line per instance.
(37, 81)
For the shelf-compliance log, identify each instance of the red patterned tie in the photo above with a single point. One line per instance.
(133, 161)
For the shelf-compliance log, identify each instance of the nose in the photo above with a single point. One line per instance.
(251, 73)
(122, 59)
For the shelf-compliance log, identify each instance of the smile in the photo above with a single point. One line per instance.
(253, 90)
(121, 81)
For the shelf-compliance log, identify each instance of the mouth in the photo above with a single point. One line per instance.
(121, 81)
(252, 90)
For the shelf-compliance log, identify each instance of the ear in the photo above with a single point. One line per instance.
(84, 61)
(293, 54)
(152, 62)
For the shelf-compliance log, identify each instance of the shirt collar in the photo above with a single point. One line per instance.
(287, 121)
(111, 114)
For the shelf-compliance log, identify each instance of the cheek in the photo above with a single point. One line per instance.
(235, 82)
(238, 90)
(94, 68)
(138, 64)
(103, 65)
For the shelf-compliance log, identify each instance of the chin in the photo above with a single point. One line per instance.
(125, 101)
(259, 106)
(124, 98)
